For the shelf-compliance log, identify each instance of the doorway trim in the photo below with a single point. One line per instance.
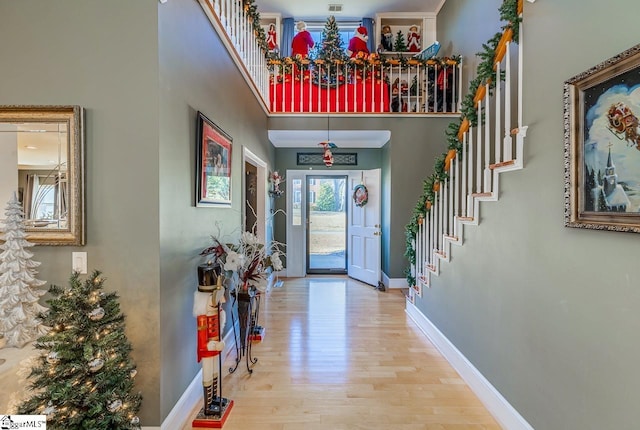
(326, 270)
(261, 197)
(295, 234)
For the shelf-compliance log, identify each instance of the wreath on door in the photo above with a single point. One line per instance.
(360, 195)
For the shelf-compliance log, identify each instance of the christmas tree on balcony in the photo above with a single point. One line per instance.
(84, 377)
(332, 46)
(19, 288)
(331, 53)
(400, 44)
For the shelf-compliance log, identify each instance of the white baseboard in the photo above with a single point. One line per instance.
(394, 282)
(497, 405)
(181, 413)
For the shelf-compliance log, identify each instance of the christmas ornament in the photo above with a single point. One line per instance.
(52, 358)
(115, 405)
(96, 364)
(49, 411)
(327, 157)
(133, 373)
(135, 421)
(96, 314)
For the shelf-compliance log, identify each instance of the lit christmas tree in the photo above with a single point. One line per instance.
(400, 45)
(19, 292)
(84, 377)
(332, 45)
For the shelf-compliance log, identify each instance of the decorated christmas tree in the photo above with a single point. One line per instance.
(332, 47)
(400, 45)
(84, 376)
(19, 292)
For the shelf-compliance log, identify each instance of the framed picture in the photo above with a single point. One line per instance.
(602, 145)
(213, 164)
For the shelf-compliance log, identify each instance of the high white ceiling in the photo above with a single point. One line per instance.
(306, 9)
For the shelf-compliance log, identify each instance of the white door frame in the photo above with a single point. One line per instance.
(261, 198)
(296, 235)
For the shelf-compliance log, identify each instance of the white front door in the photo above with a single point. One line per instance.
(363, 229)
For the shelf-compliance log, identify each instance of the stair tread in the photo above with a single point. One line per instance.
(502, 164)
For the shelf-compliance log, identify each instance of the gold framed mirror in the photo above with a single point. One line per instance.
(42, 160)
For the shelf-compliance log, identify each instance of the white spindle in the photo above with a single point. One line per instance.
(440, 229)
(452, 202)
(435, 89)
(445, 209)
(456, 195)
(418, 249)
(487, 141)
(470, 175)
(507, 106)
(432, 228)
(381, 88)
(479, 150)
(463, 182)
(459, 88)
(427, 108)
(414, 271)
(498, 137)
(520, 69)
(355, 81)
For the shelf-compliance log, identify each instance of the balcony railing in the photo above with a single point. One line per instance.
(367, 85)
(402, 85)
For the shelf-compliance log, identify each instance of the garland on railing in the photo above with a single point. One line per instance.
(493, 52)
(251, 10)
(371, 61)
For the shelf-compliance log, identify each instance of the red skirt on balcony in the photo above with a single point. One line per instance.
(361, 97)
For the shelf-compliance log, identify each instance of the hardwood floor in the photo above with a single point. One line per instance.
(339, 354)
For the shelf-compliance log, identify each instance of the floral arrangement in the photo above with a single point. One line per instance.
(248, 262)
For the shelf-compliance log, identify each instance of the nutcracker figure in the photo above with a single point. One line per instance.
(210, 319)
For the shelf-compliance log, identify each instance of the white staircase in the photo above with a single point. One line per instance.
(492, 147)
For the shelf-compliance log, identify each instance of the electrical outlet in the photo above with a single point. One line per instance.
(79, 262)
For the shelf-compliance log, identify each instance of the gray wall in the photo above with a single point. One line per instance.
(102, 56)
(548, 314)
(405, 161)
(142, 70)
(196, 74)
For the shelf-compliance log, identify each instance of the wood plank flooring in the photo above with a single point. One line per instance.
(339, 354)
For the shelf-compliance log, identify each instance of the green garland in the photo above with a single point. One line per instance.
(251, 10)
(372, 63)
(468, 112)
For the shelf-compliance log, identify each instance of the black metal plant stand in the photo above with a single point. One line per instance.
(247, 307)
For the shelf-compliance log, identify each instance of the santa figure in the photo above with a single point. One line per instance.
(358, 43)
(271, 38)
(210, 319)
(302, 41)
(327, 157)
(413, 39)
